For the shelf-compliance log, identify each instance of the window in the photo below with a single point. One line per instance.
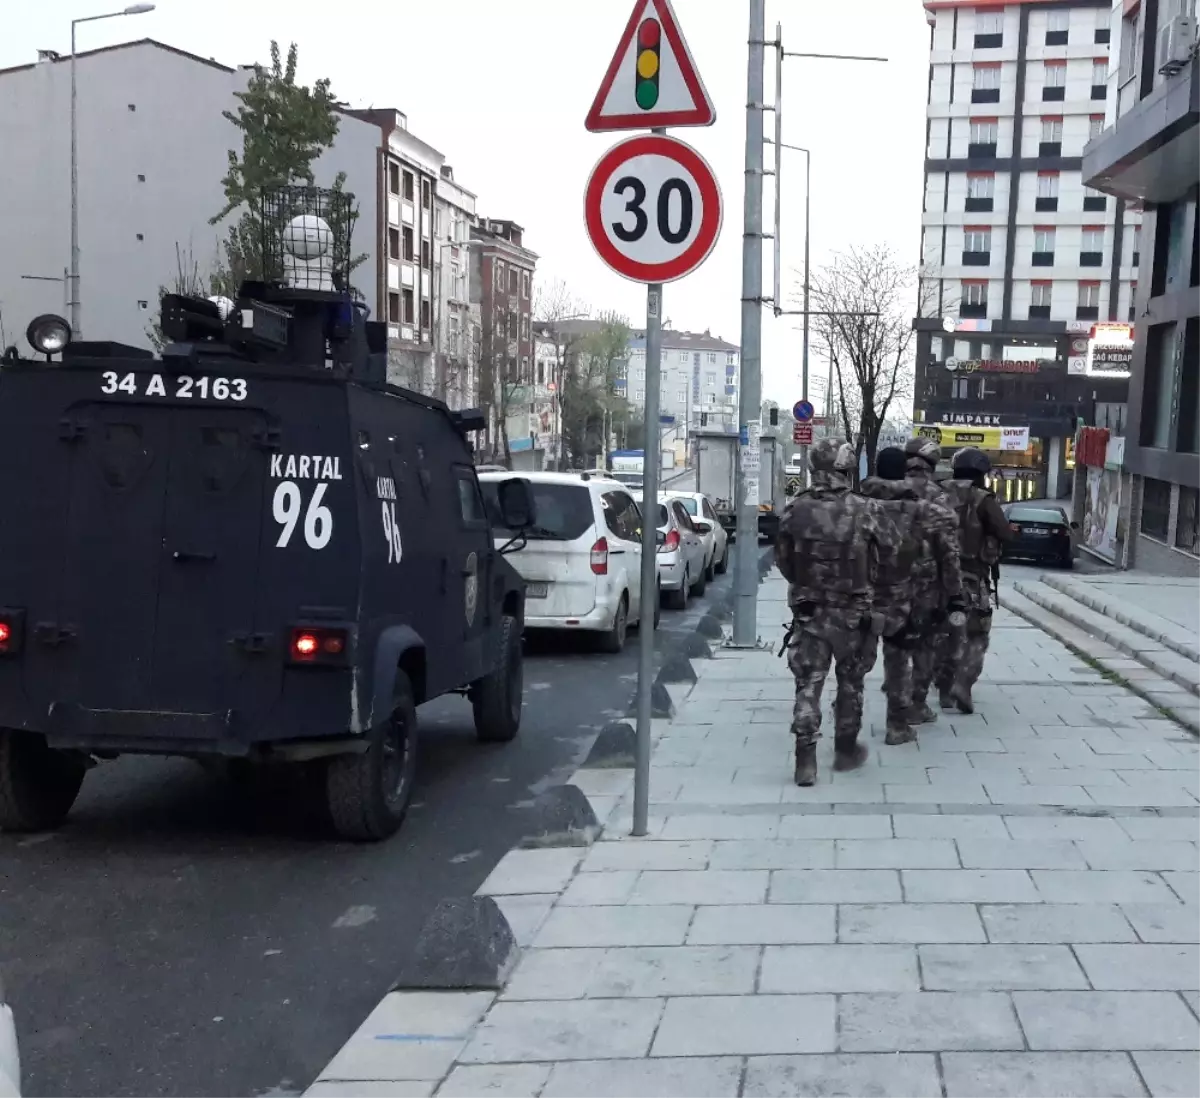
(407, 250)
(639, 394)
(639, 374)
(1056, 76)
(408, 186)
(564, 511)
(1052, 129)
(1093, 239)
(407, 309)
(525, 286)
(731, 359)
(512, 280)
(1156, 508)
(1095, 126)
(974, 299)
(470, 502)
(712, 358)
(710, 379)
(622, 516)
(425, 315)
(394, 308)
(985, 77)
(1103, 31)
(1058, 23)
(981, 186)
(977, 241)
(1088, 303)
(1094, 201)
(1047, 191)
(394, 178)
(989, 21)
(1041, 294)
(393, 237)
(1099, 79)
(984, 131)
(426, 254)
(1127, 67)
(426, 193)
(1135, 244)
(1043, 246)
(681, 396)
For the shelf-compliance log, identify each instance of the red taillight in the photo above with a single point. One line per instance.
(671, 543)
(600, 557)
(12, 631)
(5, 633)
(317, 645)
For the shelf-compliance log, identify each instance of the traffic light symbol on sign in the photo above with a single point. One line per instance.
(649, 41)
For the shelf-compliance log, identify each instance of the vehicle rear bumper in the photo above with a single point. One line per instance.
(599, 619)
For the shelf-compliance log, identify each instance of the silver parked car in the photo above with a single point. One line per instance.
(682, 555)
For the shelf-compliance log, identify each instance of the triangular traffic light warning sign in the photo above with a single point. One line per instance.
(652, 79)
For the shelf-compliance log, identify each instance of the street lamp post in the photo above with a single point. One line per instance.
(76, 322)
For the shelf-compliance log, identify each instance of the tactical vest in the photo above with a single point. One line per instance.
(974, 543)
(830, 547)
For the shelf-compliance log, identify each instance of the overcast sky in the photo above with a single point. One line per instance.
(502, 88)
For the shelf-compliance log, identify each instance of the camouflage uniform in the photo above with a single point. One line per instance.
(982, 527)
(828, 550)
(918, 574)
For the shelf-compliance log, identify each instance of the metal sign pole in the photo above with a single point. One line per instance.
(745, 606)
(650, 471)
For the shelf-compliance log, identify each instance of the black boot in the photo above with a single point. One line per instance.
(945, 697)
(898, 732)
(806, 763)
(962, 698)
(848, 753)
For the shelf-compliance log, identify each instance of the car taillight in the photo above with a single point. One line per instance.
(318, 645)
(12, 631)
(600, 557)
(671, 543)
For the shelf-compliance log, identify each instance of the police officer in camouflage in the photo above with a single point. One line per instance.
(918, 576)
(982, 528)
(828, 551)
(941, 635)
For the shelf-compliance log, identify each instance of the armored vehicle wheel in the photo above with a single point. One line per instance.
(368, 794)
(38, 785)
(497, 697)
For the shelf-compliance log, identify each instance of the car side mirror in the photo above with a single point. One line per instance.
(518, 510)
(1074, 526)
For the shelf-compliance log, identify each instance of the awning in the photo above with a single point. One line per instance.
(983, 438)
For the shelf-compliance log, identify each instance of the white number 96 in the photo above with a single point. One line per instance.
(318, 519)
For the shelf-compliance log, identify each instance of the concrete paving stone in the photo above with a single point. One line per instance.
(1172, 756)
(965, 792)
(1166, 795)
(553, 974)
(600, 889)
(1192, 998)
(834, 886)
(844, 793)
(685, 826)
(970, 740)
(1053, 923)
(763, 924)
(751, 1025)
(647, 854)
(1010, 793)
(878, 1075)
(525, 915)
(839, 968)
(410, 1035)
(1141, 967)
(521, 872)
(1039, 828)
(1169, 1074)
(1000, 968)
(1020, 854)
(927, 1021)
(1139, 855)
(603, 783)
(1165, 922)
(1088, 1020)
(1036, 1074)
(646, 972)
(501, 1080)
(709, 886)
(570, 927)
(585, 1029)
(909, 923)
(949, 827)
(361, 1088)
(835, 827)
(1088, 886)
(1073, 776)
(686, 1077)
(1185, 885)
(1161, 828)
(969, 886)
(896, 854)
(773, 854)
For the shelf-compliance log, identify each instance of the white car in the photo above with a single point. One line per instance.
(10, 1060)
(681, 554)
(581, 560)
(716, 541)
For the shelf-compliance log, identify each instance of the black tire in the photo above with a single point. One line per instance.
(710, 573)
(701, 583)
(368, 794)
(497, 698)
(1067, 562)
(657, 604)
(613, 641)
(38, 785)
(722, 565)
(678, 600)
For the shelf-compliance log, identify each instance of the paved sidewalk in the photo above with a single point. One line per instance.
(1009, 907)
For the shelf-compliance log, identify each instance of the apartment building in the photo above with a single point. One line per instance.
(1021, 259)
(1147, 155)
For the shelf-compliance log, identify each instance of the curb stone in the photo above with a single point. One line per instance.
(413, 1038)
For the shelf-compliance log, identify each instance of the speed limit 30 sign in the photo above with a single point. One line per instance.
(653, 208)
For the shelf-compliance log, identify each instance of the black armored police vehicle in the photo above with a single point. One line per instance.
(250, 548)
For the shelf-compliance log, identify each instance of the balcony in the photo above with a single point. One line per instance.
(969, 310)
(1039, 312)
(1087, 312)
(1043, 259)
(978, 205)
(976, 259)
(1050, 148)
(985, 95)
(1054, 95)
(1091, 259)
(1046, 204)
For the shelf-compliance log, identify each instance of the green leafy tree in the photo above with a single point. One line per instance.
(285, 127)
(590, 403)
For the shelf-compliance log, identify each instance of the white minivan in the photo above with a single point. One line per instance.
(581, 561)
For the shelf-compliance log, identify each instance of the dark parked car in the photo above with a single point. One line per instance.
(1044, 532)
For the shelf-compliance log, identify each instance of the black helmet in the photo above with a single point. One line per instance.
(971, 460)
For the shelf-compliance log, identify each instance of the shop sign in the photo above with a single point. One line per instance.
(972, 419)
(1110, 351)
(992, 366)
(1004, 439)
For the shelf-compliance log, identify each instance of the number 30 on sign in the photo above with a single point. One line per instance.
(653, 208)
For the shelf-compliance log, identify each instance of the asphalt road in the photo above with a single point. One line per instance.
(177, 938)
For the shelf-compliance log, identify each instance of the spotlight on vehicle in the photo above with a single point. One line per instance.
(48, 334)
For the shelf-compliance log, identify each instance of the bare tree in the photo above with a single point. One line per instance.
(554, 306)
(869, 298)
(590, 403)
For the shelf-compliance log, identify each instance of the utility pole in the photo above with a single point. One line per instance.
(745, 607)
